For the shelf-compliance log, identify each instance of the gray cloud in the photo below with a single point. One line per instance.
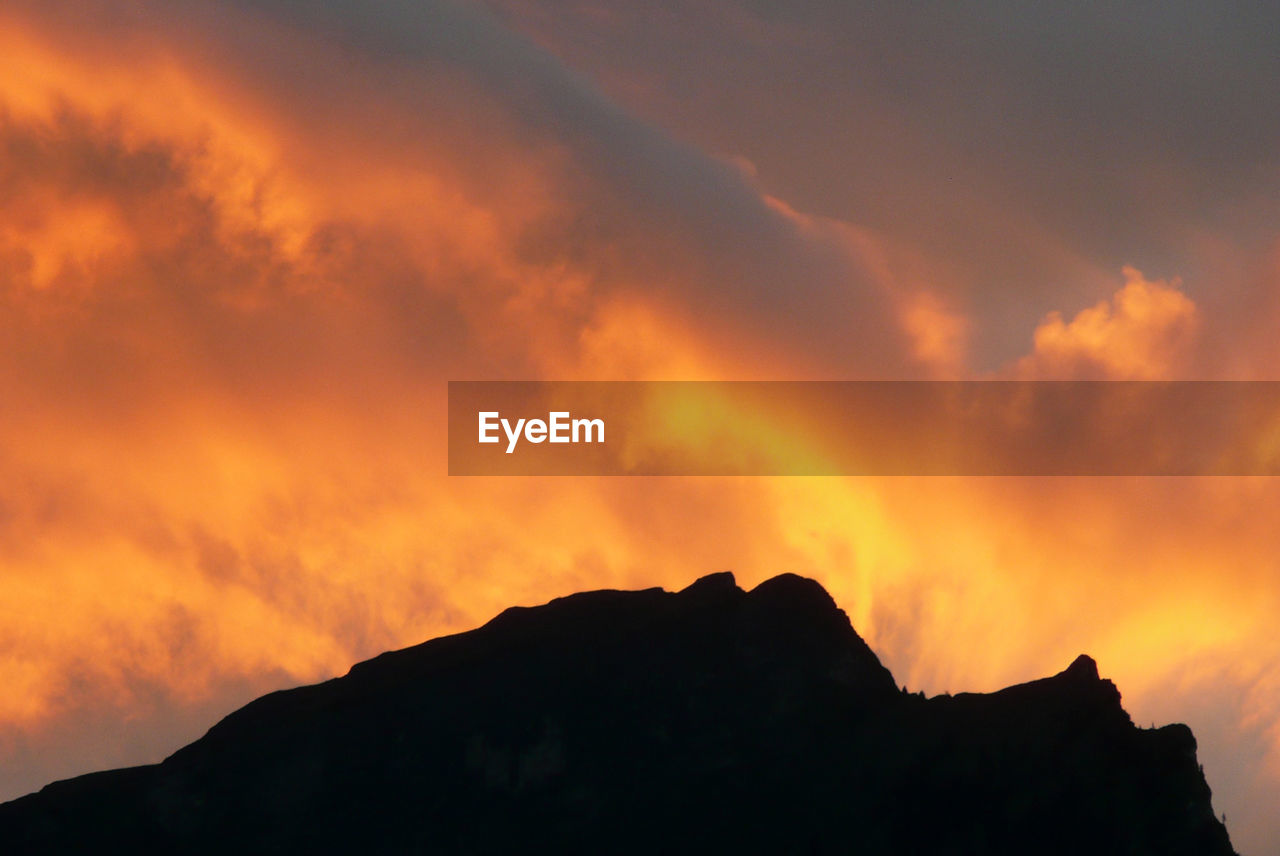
(1034, 148)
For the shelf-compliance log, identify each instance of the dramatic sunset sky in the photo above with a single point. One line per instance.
(244, 246)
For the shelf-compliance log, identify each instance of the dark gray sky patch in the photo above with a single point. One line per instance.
(1030, 146)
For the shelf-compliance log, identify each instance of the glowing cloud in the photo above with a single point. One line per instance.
(1144, 332)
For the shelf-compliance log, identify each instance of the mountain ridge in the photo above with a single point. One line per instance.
(633, 721)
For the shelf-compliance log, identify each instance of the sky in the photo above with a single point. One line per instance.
(243, 246)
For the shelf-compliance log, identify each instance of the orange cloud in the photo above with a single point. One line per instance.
(1144, 332)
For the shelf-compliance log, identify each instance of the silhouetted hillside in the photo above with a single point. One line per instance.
(711, 720)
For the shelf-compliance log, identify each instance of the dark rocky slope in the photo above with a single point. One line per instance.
(711, 720)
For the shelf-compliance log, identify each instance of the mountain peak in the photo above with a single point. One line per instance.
(720, 581)
(795, 591)
(1083, 667)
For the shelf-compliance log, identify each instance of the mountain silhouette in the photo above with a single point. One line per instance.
(704, 721)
